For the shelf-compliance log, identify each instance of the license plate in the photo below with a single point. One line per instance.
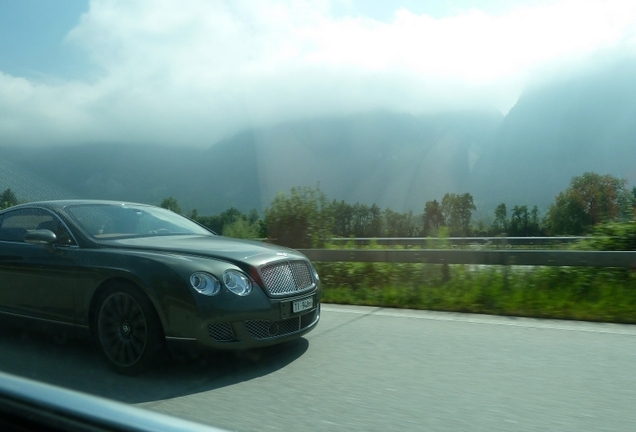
(304, 304)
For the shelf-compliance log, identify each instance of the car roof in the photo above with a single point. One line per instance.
(60, 204)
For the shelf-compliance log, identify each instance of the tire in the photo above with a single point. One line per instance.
(127, 329)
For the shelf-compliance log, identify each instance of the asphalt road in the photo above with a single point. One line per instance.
(377, 369)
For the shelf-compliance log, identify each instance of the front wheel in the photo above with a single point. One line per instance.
(127, 329)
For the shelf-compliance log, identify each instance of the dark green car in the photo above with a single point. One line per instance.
(140, 278)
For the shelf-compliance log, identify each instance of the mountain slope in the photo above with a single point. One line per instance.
(29, 186)
(394, 160)
(559, 131)
(554, 132)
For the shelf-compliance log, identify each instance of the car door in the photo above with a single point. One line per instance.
(36, 280)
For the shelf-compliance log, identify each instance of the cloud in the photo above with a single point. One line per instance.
(197, 71)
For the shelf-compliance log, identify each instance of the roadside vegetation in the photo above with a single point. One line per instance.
(580, 293)
(600, 207)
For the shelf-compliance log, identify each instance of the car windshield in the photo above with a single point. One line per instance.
(103, 221)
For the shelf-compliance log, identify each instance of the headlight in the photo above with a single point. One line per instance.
(316, 277)
(205, 283)
(237, 282)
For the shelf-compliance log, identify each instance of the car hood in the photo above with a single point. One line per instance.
(218, 247)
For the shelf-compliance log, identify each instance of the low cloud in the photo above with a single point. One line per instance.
(194, 72)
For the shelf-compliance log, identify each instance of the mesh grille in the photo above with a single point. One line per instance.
(287, 277)
(221, 332)
(263, 329)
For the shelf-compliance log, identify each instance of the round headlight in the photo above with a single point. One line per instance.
(205, 283)
(237, 282)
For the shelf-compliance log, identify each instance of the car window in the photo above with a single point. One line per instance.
(102, 221)
(14, 225)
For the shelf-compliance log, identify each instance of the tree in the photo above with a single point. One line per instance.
(343, 218)
(457, 211)
(400, 224)
(359, 220)
(242, 228)
(233, 223)
(589, 200)
(535, 222)
(171, 203)
(194, 214)
(8, 199)
(301, 219)
(432, 218)
(230, 216)
(375, 227)
(253, 216)
(481, 229)
(500, 224)
(519, 221)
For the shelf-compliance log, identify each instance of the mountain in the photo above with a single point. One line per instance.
(554, 132)
(28, 185)
(394, 160)
(561, 130)
(211, 181)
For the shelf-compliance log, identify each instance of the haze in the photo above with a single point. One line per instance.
(195, 72)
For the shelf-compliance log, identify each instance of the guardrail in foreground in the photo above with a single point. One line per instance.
(554, 258)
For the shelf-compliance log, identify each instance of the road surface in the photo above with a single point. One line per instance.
(377, 369)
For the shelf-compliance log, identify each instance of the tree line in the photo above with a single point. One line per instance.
(304, 217)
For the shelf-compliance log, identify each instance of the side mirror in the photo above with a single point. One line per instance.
(41, 237)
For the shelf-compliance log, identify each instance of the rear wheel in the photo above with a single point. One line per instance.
(128, 331)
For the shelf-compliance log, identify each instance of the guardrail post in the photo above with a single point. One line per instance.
(506, 267)
(445, 272)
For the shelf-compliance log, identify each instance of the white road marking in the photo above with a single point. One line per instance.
(523, 322)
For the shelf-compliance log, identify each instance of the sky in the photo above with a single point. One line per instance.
(194, 72)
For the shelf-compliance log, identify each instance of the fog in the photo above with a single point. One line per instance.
(192, 73)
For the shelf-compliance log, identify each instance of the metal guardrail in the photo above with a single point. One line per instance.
(423, 241)
(554, 258)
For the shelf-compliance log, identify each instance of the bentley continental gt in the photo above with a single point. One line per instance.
(139, 278)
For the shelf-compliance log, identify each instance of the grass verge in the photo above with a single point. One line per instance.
(590, 294)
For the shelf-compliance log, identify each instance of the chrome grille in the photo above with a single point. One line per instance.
(221, 332)
(263, 329)
(289, 277)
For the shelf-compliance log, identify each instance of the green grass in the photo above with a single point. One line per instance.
(589, 294)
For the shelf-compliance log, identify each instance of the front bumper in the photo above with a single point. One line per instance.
(261, 332)
(272, 323)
